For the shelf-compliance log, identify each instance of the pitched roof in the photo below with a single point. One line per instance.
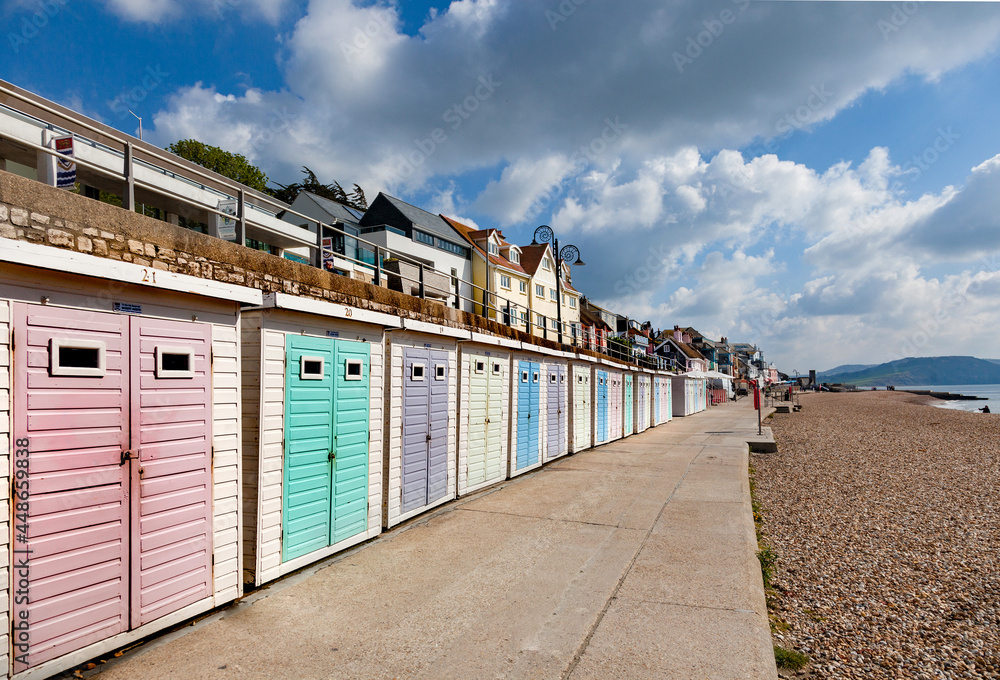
(471, 235)
(418, 217)
(337, 210)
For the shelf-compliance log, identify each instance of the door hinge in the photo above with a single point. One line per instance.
(213, 454)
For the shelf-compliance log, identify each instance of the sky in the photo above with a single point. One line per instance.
(819, 178)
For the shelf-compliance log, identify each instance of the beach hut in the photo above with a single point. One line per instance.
(628, 427)
(581, 402)
(420, 469)
(685, 396)
(666, 399)
(123, 422)
(313, 405)
(641, 396)
(556, 411)
(527, 401)
(484, 405)
(600, 399)
(615, 396)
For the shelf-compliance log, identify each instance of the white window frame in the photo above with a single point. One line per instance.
(539, 290)
(496, 368)
(552, 294)
(546, 263)
(504, 277)
(440, 371)
(523, 286)
(479, 365)
(162, 373)
(515, 256)
(360, 375)
(56, 344)
(524, 376)
(418, 376)
(572, 303)
(303, 360)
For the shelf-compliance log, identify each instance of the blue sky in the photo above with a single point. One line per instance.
(819, 178)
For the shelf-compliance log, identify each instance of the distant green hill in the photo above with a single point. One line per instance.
(923, 371)
(846, 368)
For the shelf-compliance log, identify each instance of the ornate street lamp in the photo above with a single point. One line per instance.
(570, 254)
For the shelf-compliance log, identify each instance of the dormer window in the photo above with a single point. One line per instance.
(494, 248)
(547, 264)
(515, 256)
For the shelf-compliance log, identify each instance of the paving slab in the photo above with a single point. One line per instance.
(635, 560)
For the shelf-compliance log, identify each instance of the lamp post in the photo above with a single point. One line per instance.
(570, 254)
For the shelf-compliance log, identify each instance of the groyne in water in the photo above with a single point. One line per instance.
(948, 396)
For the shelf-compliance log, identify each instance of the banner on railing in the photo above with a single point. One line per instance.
(226, 226)
(327, 253)
(65, 167)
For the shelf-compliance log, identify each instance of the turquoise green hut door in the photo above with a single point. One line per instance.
(326, 443)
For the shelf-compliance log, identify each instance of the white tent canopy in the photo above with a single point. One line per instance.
(714, 375)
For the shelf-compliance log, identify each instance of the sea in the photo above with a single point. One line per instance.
(991, 392)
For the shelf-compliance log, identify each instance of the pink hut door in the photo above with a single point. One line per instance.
(171, 542)
(112, 513)
(71, 509)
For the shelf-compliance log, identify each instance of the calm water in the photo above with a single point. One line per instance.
(991, 392)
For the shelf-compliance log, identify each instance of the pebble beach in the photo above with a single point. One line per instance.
(884, 513)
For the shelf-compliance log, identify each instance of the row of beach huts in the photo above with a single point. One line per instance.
(176, 440)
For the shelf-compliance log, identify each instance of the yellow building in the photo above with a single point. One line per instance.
(517, 285)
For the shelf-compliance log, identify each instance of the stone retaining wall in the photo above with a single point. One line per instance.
(38, 213)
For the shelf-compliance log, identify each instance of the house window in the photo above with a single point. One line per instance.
(539, 290)
(555, 324)
(505, 281)
(524, 318)
(515, 256)
(546, 264)
(552, 294)
(523, 285)
(494, 250)
(421, 237)
(572, 303)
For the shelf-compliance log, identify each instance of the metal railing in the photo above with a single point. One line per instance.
(363, 254)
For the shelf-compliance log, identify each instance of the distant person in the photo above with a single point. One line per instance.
(985, 409)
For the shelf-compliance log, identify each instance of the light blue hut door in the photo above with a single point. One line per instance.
(602, 406)
(528, 417)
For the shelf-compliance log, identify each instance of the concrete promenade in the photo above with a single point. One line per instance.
(632, 560)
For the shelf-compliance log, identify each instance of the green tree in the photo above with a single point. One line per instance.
(232, 165)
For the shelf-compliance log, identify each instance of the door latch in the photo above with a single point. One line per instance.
(332, 456)
(126, 457)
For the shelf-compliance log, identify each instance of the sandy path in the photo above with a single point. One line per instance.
(886, 516)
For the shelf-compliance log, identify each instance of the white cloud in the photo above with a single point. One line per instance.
(591, 120)
(156, 11)
(522, 189)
